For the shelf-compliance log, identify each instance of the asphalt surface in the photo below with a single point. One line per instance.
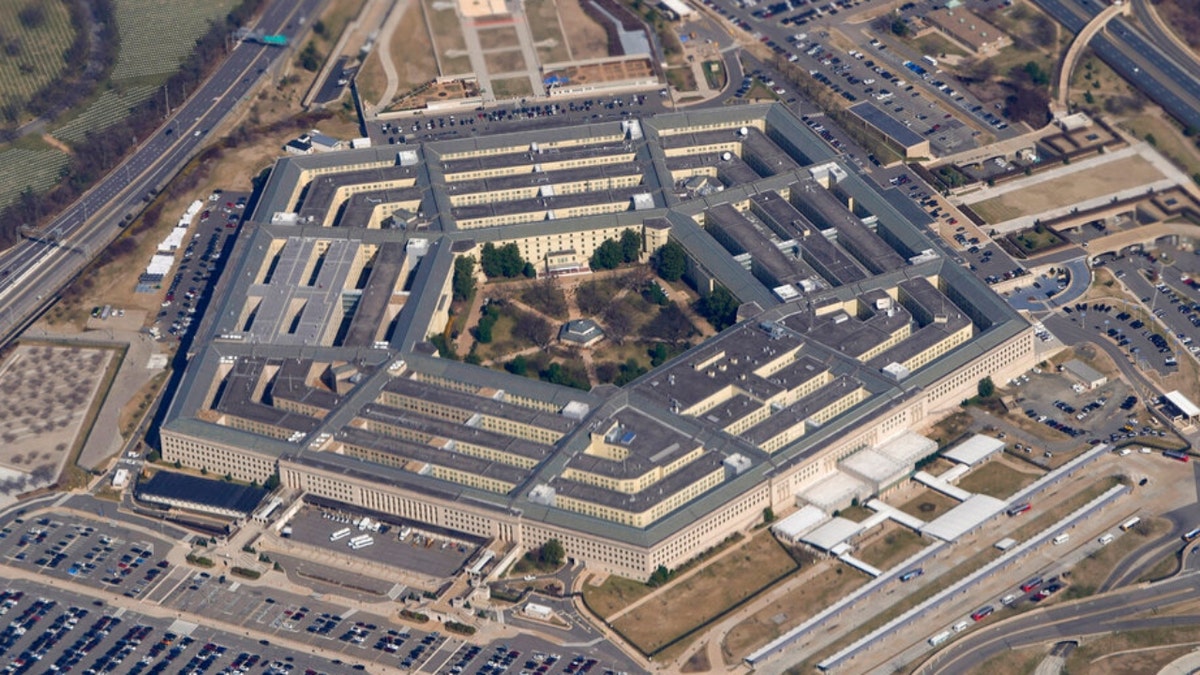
(35, 269)
(1070, 621)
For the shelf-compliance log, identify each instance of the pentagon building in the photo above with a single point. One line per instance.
(313, 358)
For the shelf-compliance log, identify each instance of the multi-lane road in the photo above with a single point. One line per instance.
(1142, 63)
(1129, 609)
(33, 271)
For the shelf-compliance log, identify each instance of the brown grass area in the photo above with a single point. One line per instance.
(1066, 190)
(889, 546)
(690, 602)
(371, 79)
(928, 504)
(997, 479)
(1023, 662)
(1090, 656)
(542, 16)
(498, 37)
(512, 87)
(504, 62)
(615, 594)
(802, 602)
(336, 16)
(1169, 140)
(447, 31)
(411, 51)
(586, 39)
(949, 427)
(698, 662)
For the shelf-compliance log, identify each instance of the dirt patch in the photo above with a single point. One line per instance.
(586, 39)
(1173, 642)
(512, 87)
(498, 37)
(505, 62)
(1063, 191)
(691, 602)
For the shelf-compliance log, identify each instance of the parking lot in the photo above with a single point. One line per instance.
(1089, 415)
(55, 630)
(109, 558)
(201, 262)
(129, 565)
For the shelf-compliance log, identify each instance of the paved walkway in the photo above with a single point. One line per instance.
(384, 48)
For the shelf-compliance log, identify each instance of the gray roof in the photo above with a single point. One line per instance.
(886, 124)
(226, 372)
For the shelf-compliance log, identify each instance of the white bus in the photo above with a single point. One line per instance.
(340, 534)
(940, 638)
(1130, 524)
(1061, 539)
(355, 545)
(930, 60)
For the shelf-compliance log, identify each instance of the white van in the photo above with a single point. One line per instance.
(1105, 539)
(940, 638)
(1062, 539)
(961, 626)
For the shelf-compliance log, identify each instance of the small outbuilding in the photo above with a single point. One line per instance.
(974, 450)
(1087, 375)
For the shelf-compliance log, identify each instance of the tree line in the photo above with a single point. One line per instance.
(100, 151)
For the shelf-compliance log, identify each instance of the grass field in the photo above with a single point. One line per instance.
(1042, 196)
(586, 39)
(928, 504)
(39, 50)
(504, 62)
(108, 108)
(996, 479)
(499, 37)
(157, 35)
(790, 610)
(447, 32)
(512, 87)
(614, 594)
(34, 169)
(892, 545)
(691, 602)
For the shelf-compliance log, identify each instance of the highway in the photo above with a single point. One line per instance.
(36, 269)
(1101, 614)
(1142, 63)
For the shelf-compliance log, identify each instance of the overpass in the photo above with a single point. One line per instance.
(1077, 46)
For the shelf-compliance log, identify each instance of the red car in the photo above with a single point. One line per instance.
(982, 613)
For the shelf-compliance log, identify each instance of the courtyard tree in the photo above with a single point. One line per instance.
(631, 246)
(670, 261)
(464, 277)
